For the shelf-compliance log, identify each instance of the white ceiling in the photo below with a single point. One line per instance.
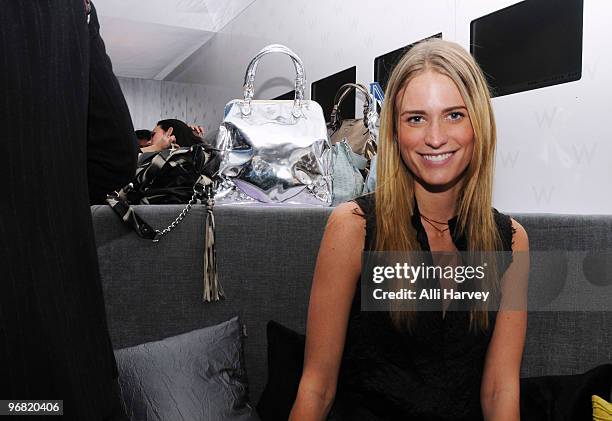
(149, 38)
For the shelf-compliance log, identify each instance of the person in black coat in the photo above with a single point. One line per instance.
(111, 142)
(67, 139)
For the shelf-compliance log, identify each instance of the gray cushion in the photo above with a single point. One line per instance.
(194, 376)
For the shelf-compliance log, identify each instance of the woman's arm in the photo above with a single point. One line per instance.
(337, 271)
(500, 389)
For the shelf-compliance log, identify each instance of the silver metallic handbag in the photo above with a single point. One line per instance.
(274, 151)
(360, 133)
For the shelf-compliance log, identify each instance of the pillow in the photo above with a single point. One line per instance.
(285, 363)
(198, 375)
(553, 398)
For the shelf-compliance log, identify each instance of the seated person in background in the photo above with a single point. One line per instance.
(170, 133)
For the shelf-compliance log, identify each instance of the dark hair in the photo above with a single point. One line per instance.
(143, 134)
(183, 133)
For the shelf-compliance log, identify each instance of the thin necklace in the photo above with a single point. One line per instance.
(432, 221)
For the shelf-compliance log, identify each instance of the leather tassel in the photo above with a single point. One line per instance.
(212, 288)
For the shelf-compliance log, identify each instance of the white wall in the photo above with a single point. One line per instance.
(554, 151)
(152, 100)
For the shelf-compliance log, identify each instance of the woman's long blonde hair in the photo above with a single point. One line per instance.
(395, 189)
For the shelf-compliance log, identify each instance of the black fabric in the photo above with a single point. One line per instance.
(112, 147)
(431, 373)
(285, 363)
(564, 398)
(548, 398)
(54, 341)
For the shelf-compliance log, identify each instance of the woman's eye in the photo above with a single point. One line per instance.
(415, 119)
(455, 115)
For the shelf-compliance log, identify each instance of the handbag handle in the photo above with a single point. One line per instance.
(249, 79)
(342, 93)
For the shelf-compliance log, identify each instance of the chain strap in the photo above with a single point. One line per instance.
(198, 190)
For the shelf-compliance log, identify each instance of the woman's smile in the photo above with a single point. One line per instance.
(438, 159)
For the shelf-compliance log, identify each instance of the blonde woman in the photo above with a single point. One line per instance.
(434, 193)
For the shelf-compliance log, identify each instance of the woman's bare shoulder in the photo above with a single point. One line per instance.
(347, 219)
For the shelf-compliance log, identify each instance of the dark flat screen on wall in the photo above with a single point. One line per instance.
(383, 65)
(324, 90)
(529, 45)
(287, 95)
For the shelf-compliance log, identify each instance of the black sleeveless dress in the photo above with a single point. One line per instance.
(431, 373)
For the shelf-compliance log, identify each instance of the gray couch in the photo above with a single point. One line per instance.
(266, 257)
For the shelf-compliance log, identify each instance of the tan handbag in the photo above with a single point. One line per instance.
(360, 133)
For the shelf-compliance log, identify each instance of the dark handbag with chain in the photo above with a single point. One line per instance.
(167, 177)
(184, 175)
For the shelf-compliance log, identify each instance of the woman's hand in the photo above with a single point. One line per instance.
(333, 287)
(500, 388)
(158, 143)
(197, 130)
